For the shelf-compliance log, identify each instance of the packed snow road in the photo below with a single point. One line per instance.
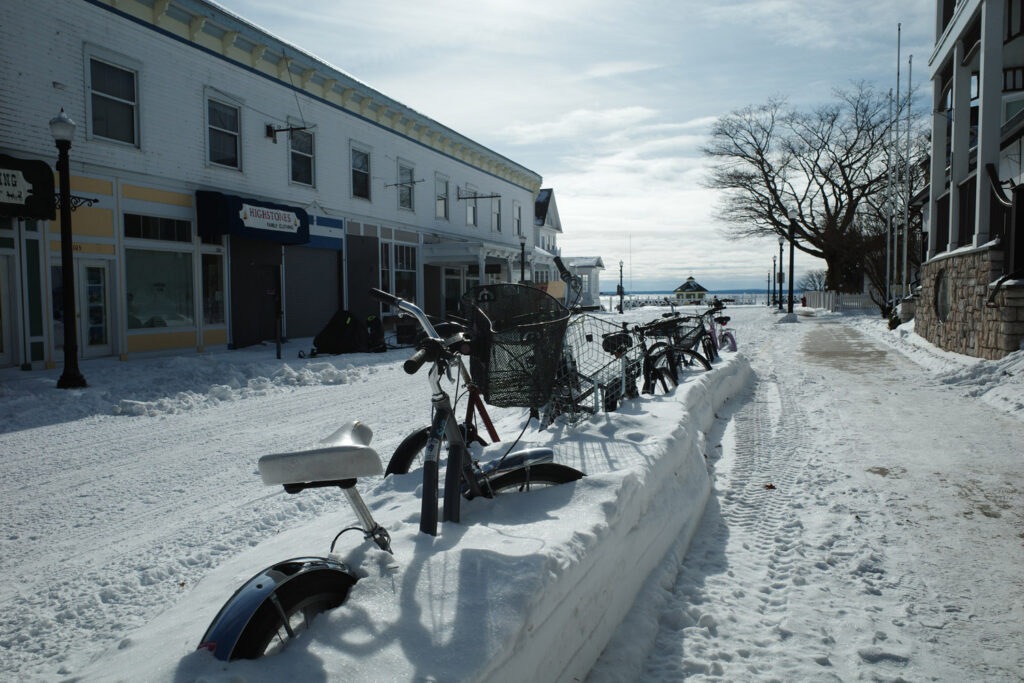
(865, 523)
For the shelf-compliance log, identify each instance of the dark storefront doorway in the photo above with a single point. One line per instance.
(256, 291)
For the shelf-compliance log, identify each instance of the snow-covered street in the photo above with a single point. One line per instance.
(864, 520)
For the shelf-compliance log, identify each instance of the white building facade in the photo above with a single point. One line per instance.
(234, 183)
(972, 279)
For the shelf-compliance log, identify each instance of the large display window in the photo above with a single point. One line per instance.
(159, 289)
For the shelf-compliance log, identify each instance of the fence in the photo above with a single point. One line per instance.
(835, 301)
(611, 302)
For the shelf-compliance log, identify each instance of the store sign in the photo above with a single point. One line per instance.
(26, 188)
(263, 218)
(14, 189)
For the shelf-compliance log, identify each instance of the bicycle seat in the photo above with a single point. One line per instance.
(345, 454)
(723, 320)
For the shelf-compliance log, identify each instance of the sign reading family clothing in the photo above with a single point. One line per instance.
(26, 189)
(263, 218)
(224, 214)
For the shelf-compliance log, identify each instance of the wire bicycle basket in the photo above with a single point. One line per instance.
(517, 333)
(600, 365)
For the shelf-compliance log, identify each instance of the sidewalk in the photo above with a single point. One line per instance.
(864, 523)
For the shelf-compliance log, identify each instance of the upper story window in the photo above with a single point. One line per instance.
(517, 218)
(360, 173)
(496, 214)
(1014, 18)
(471, 207)
(441, 197)
(301, 142)
(406, 187)
(114, 102)
(224, 130)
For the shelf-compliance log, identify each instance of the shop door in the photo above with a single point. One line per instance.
(94, 305)
(92, 300)
(6, 311)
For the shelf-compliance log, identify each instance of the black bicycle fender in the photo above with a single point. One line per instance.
(402, 458)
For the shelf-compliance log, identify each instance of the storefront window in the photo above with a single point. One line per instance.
(213, 289)
(159, 289)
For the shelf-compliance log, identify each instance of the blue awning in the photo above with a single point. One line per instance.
(225, 214)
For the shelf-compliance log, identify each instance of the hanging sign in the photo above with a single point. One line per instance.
(14, 189)
(26, 188)
(264, 218)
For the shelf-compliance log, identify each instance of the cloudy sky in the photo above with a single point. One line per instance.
(611, 100)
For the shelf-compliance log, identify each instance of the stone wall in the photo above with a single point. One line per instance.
(971, 327)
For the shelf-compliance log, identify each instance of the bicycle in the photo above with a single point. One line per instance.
(278, 603)
(682, 339)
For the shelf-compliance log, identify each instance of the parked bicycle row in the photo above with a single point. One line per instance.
(524, 350)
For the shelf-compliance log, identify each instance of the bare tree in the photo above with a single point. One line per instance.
(878, 228)
(824, 164)
(812, 281)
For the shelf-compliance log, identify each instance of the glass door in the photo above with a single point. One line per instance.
(94, 290)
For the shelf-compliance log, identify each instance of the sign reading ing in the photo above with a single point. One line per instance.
(14, 189)
(263, 218)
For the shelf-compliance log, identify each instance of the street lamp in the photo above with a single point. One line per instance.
(771, 303)
(793, 215)
(63, 130)
(522, 257)
(778, 278)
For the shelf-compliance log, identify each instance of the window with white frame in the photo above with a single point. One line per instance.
(113, 102)
(301, 143)
(441, 197)
(398, 269)
(471, 207)
(224, 132)
(360, 173)
(496, 214)
(517, 218)
(406, 187)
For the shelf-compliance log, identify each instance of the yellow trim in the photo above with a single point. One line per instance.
(148, 194)
(86, 185)
(160, 341)
(215, 337)
(84, 248)
(89, 222)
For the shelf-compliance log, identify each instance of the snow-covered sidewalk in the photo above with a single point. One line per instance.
(865, 522)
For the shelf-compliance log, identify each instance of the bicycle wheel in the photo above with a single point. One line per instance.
(707, 344)
(727, 341)
(662, 367)
(689, 361)
(530, 477)
(290, 610)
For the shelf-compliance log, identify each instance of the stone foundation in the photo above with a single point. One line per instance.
(971, 327)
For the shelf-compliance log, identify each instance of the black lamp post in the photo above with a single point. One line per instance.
(63, 129)
(779, 278)
(771, 302)
(769, 284)
(522, 257)
(792, 225)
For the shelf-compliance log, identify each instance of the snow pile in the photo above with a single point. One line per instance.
(529, 585)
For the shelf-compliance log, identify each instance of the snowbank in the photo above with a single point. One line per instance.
(530, 586)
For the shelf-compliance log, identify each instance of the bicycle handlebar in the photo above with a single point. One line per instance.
(415, 361)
